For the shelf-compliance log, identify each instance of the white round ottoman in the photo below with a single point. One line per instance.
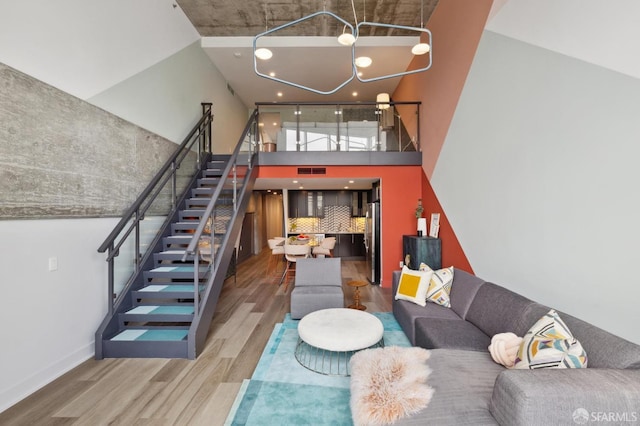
(329, 337)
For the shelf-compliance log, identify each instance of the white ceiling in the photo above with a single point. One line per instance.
(317, 62)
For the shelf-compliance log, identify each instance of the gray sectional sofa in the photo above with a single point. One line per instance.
(471, 389)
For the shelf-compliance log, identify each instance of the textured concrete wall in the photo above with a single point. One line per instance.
(62, 157)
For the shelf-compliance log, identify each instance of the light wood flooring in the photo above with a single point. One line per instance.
(177, 391)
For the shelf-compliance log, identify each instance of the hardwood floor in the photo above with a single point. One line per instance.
(176, 391)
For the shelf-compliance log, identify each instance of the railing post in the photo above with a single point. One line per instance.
(297, 127)
(174, 184)
(338, 113)
(137, 239)
(206, 110)
(110, 279)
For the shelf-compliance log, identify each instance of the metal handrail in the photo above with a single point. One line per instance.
(206, 119)
(199, 138)
(230, 172)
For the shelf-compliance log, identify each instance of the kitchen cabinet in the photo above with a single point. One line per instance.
(359, 200)
(348, 246)
(306, 203)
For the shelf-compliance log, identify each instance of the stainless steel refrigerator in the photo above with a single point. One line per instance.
(372, 242)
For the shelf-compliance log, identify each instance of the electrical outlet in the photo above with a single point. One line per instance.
(401, 263)
(53, 263)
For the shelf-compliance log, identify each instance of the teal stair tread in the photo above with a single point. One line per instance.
(162, 310)
(178, 269)
(171, 288)
(151, 335)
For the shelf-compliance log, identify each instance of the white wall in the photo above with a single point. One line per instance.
(538, 176)
(86, 46)
(49, 318)
(166, 97)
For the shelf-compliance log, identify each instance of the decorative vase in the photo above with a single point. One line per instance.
(422, 227)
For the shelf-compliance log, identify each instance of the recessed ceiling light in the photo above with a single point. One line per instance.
(261, 124)
(275, 123)
(280, 94)
(272, 74)
(360, 73)
(363, 61)
(350, 181)
(346, 187)
(354, 94)
(295, 181)
(237, 54)
(301, 187)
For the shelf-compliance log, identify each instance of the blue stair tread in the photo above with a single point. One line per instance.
(159, 335)
(167, 288)
(162, 310)
(178, 269)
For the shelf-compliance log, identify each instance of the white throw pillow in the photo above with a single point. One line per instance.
(439, 285)
(550, 344)
(504, 348)
(413, 286)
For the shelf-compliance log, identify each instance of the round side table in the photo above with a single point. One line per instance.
(356, 294)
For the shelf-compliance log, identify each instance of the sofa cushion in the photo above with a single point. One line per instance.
(407, 312)
(453, 374)
(463, 290)
(498, 310)
(605, 350)
(413, 286)
(550, 344)
(434, 333)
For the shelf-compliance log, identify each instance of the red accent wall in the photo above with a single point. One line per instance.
(401, 186)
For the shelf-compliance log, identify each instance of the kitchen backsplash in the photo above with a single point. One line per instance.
(336, 219)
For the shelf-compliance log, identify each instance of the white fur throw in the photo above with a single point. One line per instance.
(388, 384)
(504, 348)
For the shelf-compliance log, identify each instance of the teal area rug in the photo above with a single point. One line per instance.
(282, 392)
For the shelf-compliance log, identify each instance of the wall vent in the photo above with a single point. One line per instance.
(312, 170)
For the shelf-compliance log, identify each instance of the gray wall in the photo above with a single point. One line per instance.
(63, 157)
(538, 176)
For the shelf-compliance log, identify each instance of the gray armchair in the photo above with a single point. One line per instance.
(318, 285)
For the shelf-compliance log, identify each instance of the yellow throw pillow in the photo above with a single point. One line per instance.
(413, 286)
(439, 285)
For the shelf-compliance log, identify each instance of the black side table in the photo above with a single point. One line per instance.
(422, 249)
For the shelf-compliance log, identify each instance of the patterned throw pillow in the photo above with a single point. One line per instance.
(413, 286)
(550, 344)
(439, 285)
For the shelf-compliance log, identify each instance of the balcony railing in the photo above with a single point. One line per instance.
(346, 127)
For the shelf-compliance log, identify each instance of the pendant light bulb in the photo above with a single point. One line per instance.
(263, 53)
(420, 49)
(346, 39)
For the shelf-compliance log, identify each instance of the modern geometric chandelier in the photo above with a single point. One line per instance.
(348, 39)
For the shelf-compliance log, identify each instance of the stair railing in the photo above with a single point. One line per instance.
(239, 166)
(158, 200)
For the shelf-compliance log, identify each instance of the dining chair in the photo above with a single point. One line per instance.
(293, 252)
(326, 247)
(277, 253)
